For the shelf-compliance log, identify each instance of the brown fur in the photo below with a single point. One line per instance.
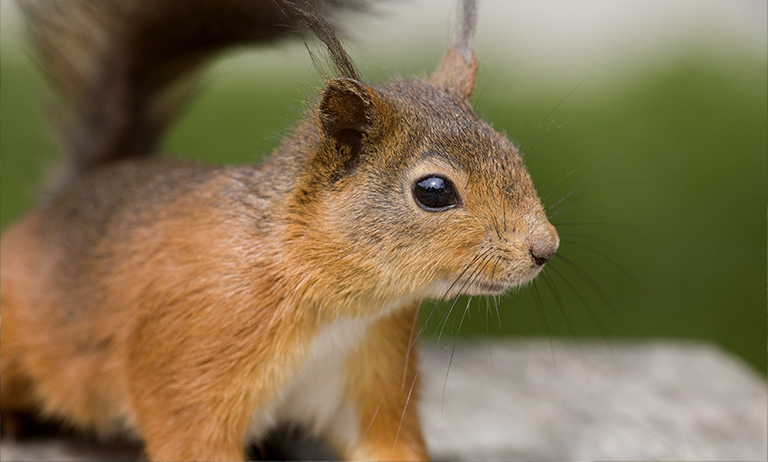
(178, 300)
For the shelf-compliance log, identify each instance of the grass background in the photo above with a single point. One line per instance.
(657, 172)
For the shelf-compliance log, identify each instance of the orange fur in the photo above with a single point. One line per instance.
(387, 394)
(197, 306)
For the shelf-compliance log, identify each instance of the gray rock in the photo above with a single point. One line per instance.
(535, 400)
(577, 401)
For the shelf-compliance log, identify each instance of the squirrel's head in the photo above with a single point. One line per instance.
(412, 193)
(407, 193)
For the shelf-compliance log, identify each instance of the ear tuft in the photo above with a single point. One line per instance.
(458, 70)
(457, 73)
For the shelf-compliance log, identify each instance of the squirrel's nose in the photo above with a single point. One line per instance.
(540, 257)
(543, 245)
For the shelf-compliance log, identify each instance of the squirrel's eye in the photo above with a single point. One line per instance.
(435, 194)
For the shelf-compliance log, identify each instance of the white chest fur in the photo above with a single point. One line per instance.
(315, 396)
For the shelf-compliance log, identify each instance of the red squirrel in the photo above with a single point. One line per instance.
(198, 306)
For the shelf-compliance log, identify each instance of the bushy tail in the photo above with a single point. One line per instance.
(122, 68)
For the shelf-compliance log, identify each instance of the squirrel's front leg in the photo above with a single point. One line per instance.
(194, 388)
(184, 413)
(382, 386)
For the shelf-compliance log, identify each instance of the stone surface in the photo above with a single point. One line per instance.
(576, 401)
(535, 400)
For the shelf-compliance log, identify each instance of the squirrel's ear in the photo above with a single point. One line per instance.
(346, 113)
(457, 73)
(458, 70)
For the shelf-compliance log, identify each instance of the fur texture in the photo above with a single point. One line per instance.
(194, 305)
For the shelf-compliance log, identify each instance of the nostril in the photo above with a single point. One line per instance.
(542, 244)
(540, 260)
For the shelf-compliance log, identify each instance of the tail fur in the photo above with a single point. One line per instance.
(122, 68)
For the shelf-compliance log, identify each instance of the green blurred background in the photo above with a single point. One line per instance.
(653, 158)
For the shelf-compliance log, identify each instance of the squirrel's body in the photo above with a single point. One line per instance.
(199, 306)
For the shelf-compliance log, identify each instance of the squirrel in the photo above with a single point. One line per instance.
(199, 306)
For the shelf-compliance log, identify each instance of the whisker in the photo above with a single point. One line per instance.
(455, 281)
(552, 211)
(549, 136)
(609, 260)
(588, 179)
(413, 343)
(542, 316)
(558, 299)
(496, 307)
(453, 351)
(549, 114)
(596, 223)
(480, 94)
(415, 376)
(473, 277)
(480, 265)
(590, 237)
(586, 278)
(601, 327)
(442, 299)
(604, 330)
(487, 327)
(444, 321)
(487, 316)
(558, 184)
(410, 341)
(482, 255)
(488, 302)
(455, 341)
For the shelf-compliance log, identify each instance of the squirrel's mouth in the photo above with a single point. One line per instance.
(483, 285)
(489, 288)
(486, 287)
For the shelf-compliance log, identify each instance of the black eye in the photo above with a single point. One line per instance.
(435, 194)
